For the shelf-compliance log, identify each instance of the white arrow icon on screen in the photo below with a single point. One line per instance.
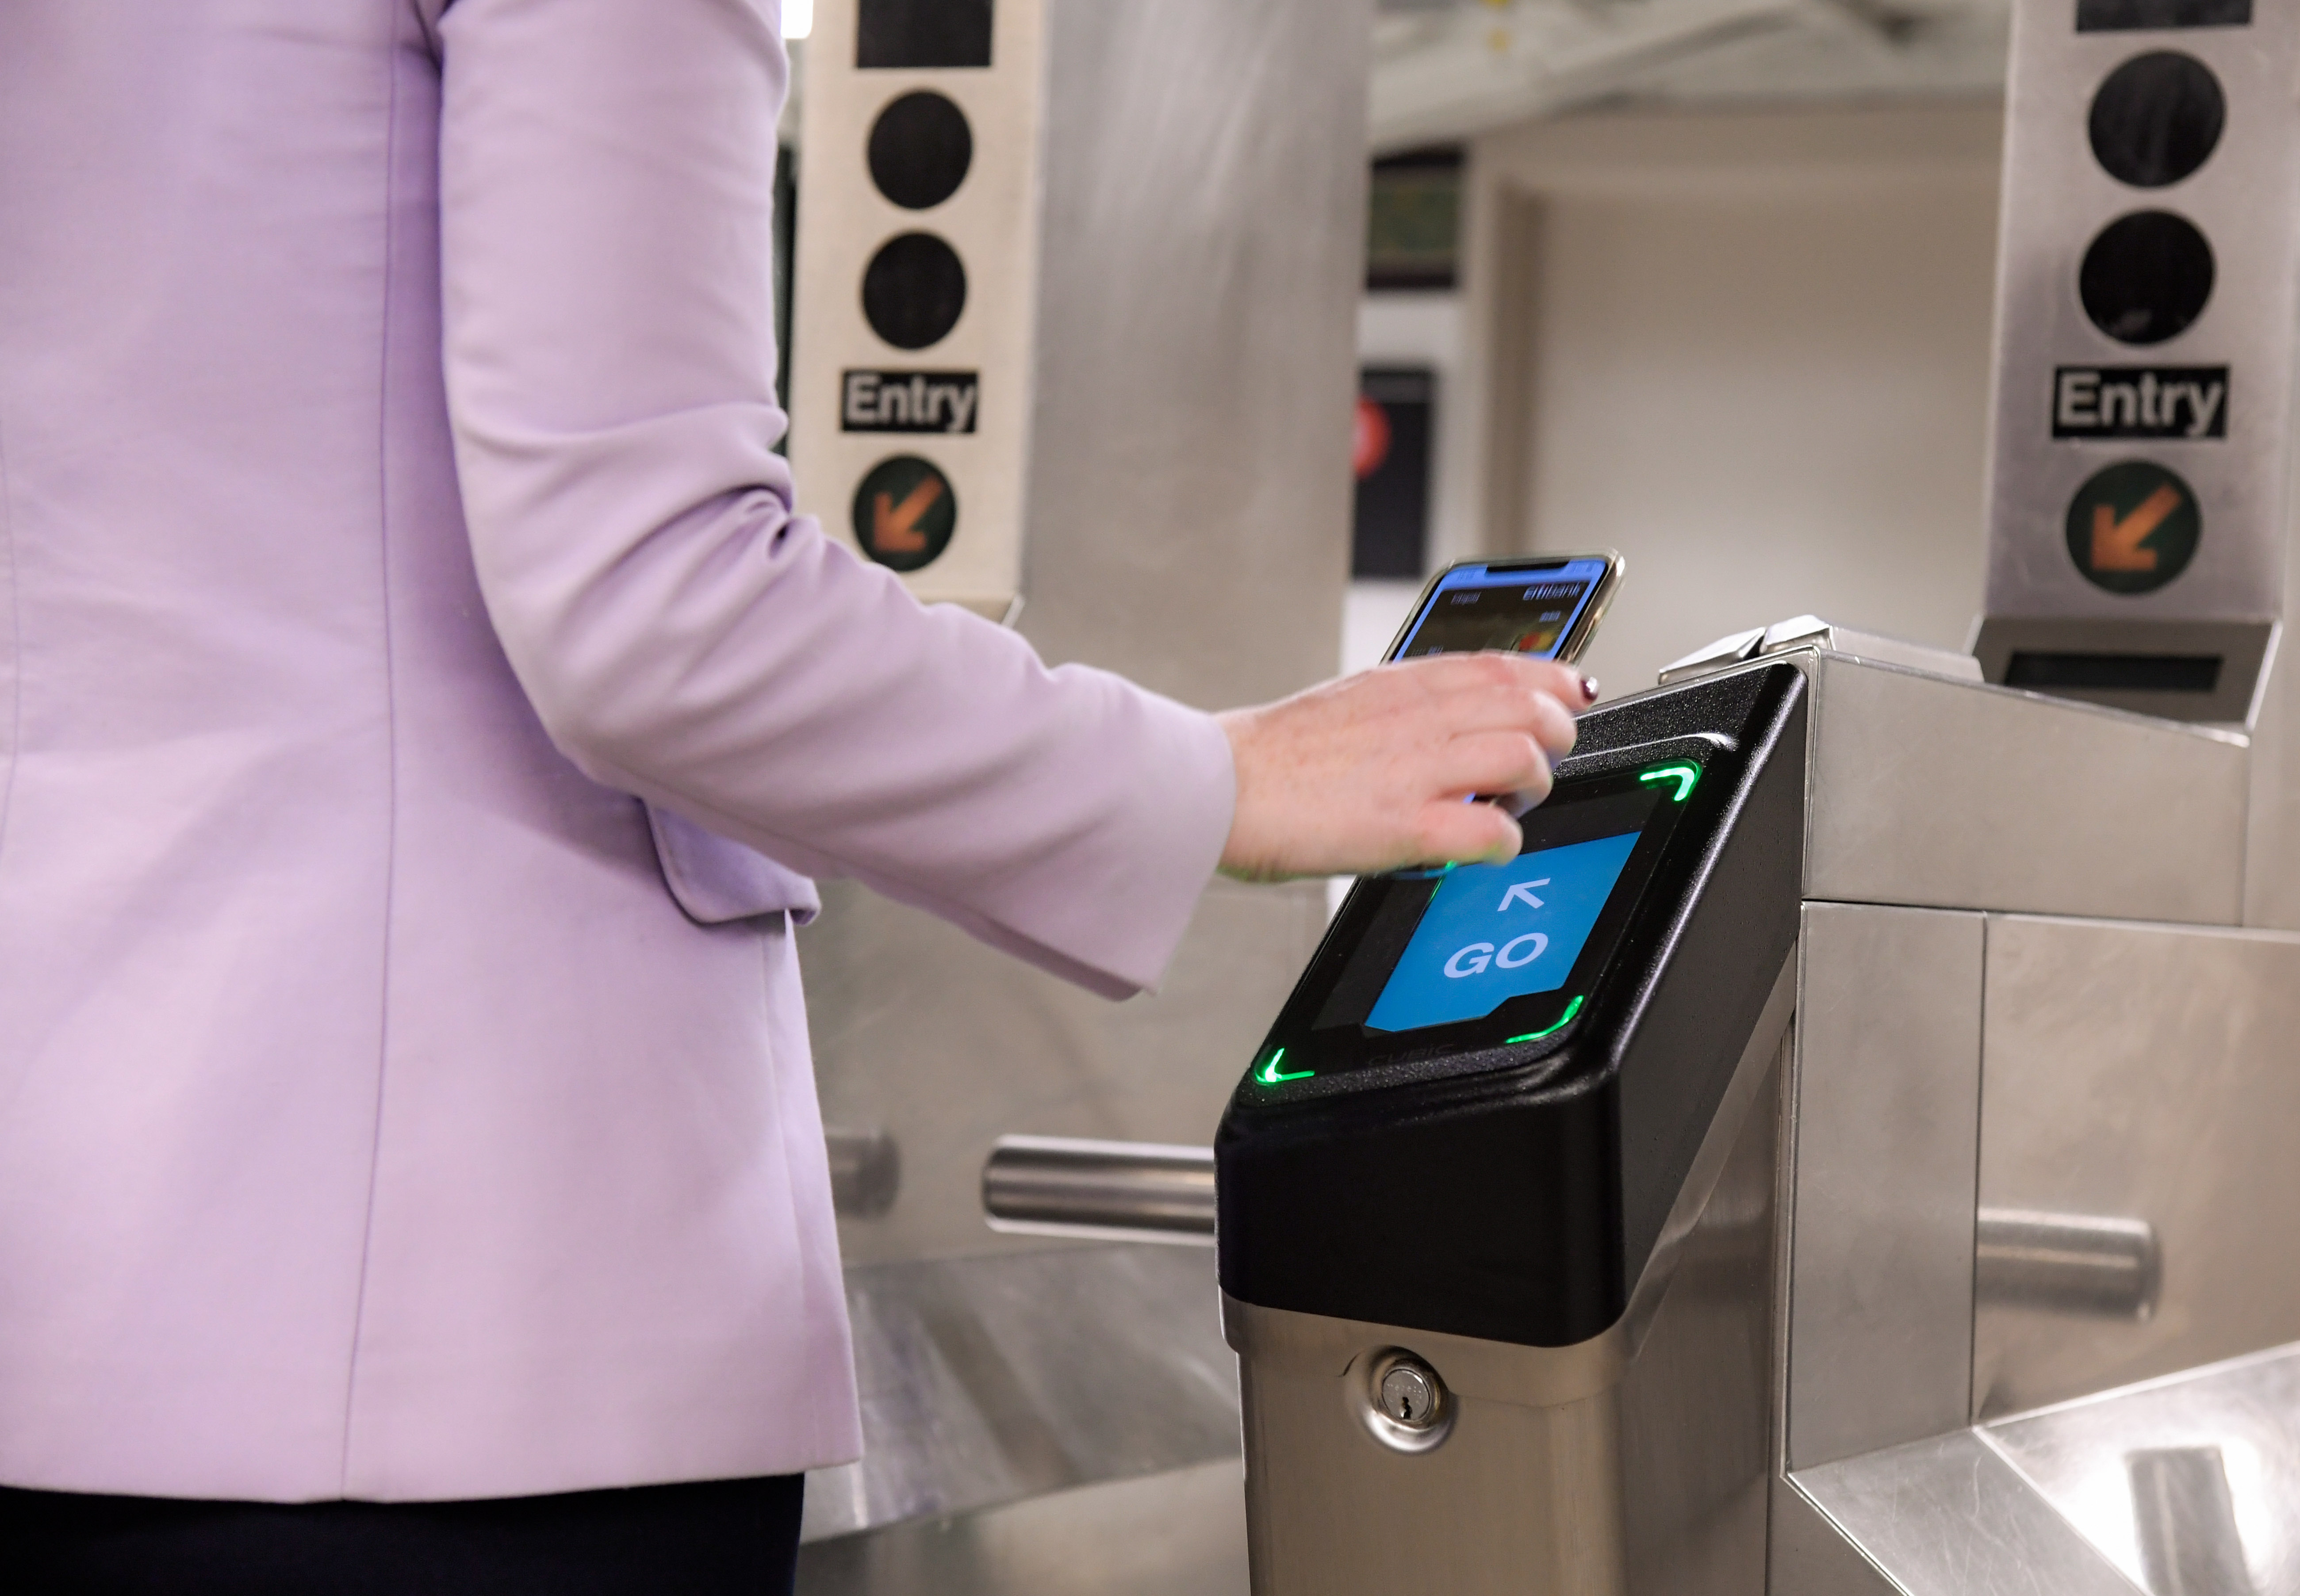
(1523, 889)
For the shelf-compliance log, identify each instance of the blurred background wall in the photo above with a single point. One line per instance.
(1749, 350)
(1707, 283)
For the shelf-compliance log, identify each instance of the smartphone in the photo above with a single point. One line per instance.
(1547, 606)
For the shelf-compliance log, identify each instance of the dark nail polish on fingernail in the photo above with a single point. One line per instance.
(1589, 688)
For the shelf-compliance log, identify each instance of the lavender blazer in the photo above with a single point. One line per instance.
(391, 1103)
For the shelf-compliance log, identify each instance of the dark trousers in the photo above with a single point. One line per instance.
(719, 1538)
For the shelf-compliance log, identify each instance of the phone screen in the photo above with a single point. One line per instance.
(1518, 608)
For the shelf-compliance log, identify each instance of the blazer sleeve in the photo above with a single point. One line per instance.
(605, 181)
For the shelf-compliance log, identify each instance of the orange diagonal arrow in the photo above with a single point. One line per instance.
(2116, 543)
(894, 528)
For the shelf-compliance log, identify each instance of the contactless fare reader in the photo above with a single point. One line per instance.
(1458, 1148)
(1475, 1110)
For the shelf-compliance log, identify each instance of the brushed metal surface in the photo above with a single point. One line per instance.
(1807, 1555)
(1522, 1501)
(1204, 256)
(2056, 198)
(1961, 796)
(2103, 1462)
(1887, 1109)
(2186, 1522)
(1949, 1516)
(1697, 1404)
(2245, 649)
(2144, 1072)
(1811, 631)
(1146, 1190)
(1312, 1344)
(1734, 648)
(1177, 1534)
(1752, 1088)
(2271, 851)
(988, 1380)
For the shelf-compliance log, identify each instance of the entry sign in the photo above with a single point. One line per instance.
(904, 512)
(2133, 526)
(2112, 402)
(908, 400)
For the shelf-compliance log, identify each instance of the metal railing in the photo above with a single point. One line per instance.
(2067, 1263)
(1062, 1186)
(1150, 1191)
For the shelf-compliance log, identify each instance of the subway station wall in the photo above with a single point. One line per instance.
(1751, 351)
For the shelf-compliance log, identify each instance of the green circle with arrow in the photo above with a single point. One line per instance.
(2134, 526)
(904, 512)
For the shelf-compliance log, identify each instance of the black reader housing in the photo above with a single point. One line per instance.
(1393, 1157)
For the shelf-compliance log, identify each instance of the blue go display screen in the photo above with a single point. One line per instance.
(1496, 932)
(1465, 961)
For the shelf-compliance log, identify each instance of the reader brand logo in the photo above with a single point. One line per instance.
(2151, 401)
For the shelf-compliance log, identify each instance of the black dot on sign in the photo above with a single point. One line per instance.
(913, 290)
(2146, 278)
(2157, 119)
(904, 512)
(921, 147)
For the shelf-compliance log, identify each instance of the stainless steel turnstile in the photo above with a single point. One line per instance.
(1980, 1278)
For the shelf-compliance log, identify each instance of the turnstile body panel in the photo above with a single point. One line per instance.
(1977, 1146)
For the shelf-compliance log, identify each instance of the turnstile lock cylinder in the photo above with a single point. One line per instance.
(1410, 1396)
(1400, 1401)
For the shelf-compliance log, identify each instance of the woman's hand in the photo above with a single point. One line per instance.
(1368, 772)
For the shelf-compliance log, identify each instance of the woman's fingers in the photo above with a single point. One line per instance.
(1368, 773)
(1538, 715)
(1475, 693)
(1520, 671)
(1496, 761)
(1453, 832)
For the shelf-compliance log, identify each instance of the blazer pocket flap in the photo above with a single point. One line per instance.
(716, 881)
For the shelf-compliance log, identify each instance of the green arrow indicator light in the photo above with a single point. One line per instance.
(1684, 775)
(1563, 1020)
(1270, 1075)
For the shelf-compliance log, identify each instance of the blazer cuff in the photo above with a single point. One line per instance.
(1121, 937)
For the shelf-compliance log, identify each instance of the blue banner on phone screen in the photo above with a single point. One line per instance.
(1477, 607)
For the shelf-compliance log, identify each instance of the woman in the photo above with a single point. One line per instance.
(422, 715)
